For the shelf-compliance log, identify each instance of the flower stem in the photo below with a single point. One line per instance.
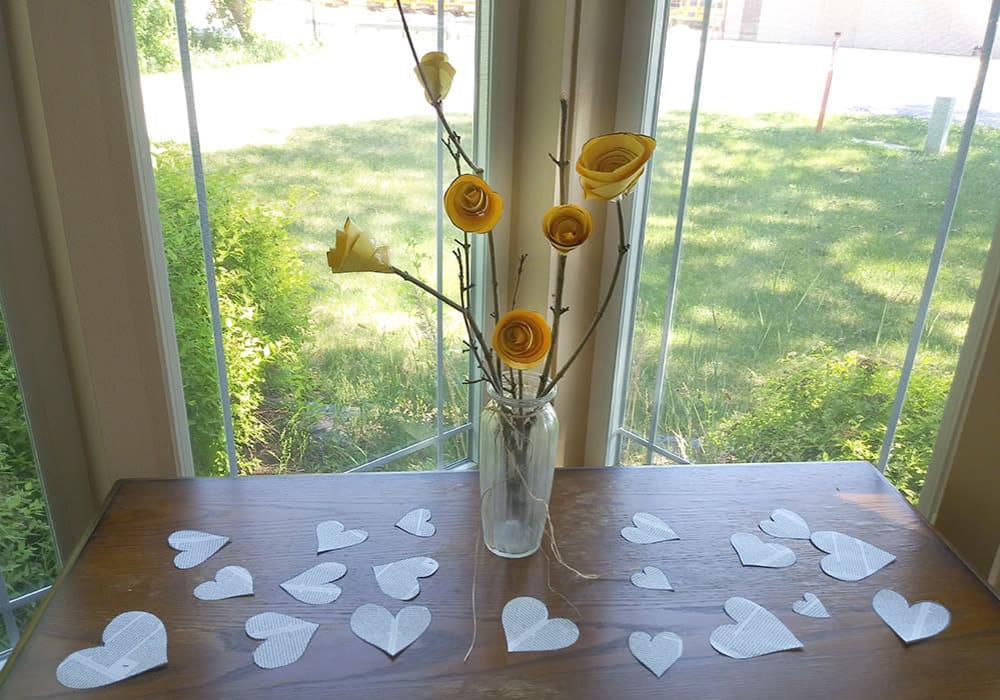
(622, 250)
(557, 308)
(470, 324)
(455, 139)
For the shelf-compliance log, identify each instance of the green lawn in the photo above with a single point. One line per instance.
(794, 243)
(802, 243)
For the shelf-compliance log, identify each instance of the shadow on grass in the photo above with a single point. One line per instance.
(796, 241)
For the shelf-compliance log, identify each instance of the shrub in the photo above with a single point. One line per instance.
(819, 407)
(29, 558)
(155, 35)
(263, 303)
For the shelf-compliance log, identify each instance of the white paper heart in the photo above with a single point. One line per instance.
(527, 626)
(648, 530)
(399, 578)
(810, 606)
(656, 653)
(786, 523)
(377, 626)
(194, 546)
(331, 535)
(753, 552)
(850, 559)
(651, 577)
(756, 633)
(285, 638)
(314, 586)
(230, 582)
(134, 642)
(417, 522)
(910, 622)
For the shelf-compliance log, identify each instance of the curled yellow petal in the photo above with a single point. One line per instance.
(610, 165)
(471, 205)
(567, 226)
(438, 73)
(356, 251)
(521, 338)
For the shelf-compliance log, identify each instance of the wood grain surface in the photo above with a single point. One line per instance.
(127, 565)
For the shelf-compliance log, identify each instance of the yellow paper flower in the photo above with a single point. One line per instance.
(521, 338)
(438, 73)
(356, 251)
(610, 165)
(471, 205)
(567, 226)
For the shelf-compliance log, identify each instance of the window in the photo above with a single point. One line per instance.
(787, 258)
(294, 133)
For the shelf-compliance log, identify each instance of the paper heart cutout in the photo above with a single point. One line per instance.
(753, 552)
(134, 642)
(527, 626)
(285, 638)
(331, 535)
(850, 559)
(810, 606)
(194, 546)
(417, 522)
(756, 633)
(398, 579)
(656, 653)
(785, 523)
(230, 582)
(651, 577)
(648, 530)
(911, 623)
(377, 626)
(314, 586)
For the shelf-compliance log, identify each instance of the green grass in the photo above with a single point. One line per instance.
(373, 351)
(794, 243)
(798, 242)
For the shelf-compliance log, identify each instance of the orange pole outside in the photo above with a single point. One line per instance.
(829, 83)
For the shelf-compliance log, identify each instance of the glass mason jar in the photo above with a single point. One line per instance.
(517, 458)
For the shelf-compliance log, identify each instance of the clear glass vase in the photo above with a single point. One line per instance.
(517, 457)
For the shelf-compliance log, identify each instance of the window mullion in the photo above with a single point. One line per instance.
(671, 299)
(206, 239)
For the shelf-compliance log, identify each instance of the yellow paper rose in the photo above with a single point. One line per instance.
(567, 226)
(357, 252)
(521, 338)
(438, 73)
(471, 205)
(610, 165)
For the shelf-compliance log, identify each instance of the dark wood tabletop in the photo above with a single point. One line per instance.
(127, 565)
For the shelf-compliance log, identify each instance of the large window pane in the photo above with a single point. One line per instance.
(307, 115)
(27, 553)
(804, 251)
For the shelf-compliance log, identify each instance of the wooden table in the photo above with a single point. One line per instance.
(127, 565)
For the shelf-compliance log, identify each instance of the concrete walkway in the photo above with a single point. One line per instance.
(363, 72)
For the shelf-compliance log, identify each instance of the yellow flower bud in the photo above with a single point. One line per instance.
(471, 205)
(438, 73)
(356, 251)
(567, 226)
(610, 165)
(521, 338)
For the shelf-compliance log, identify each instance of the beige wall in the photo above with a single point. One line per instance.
(963, 493)
(926, 26)
(87, 169)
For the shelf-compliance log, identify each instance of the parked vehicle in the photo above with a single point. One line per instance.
(692, 13)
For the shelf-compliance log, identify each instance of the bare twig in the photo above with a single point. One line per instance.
(517, 280)
(455, 139)
(622, 251)
(557, 308)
